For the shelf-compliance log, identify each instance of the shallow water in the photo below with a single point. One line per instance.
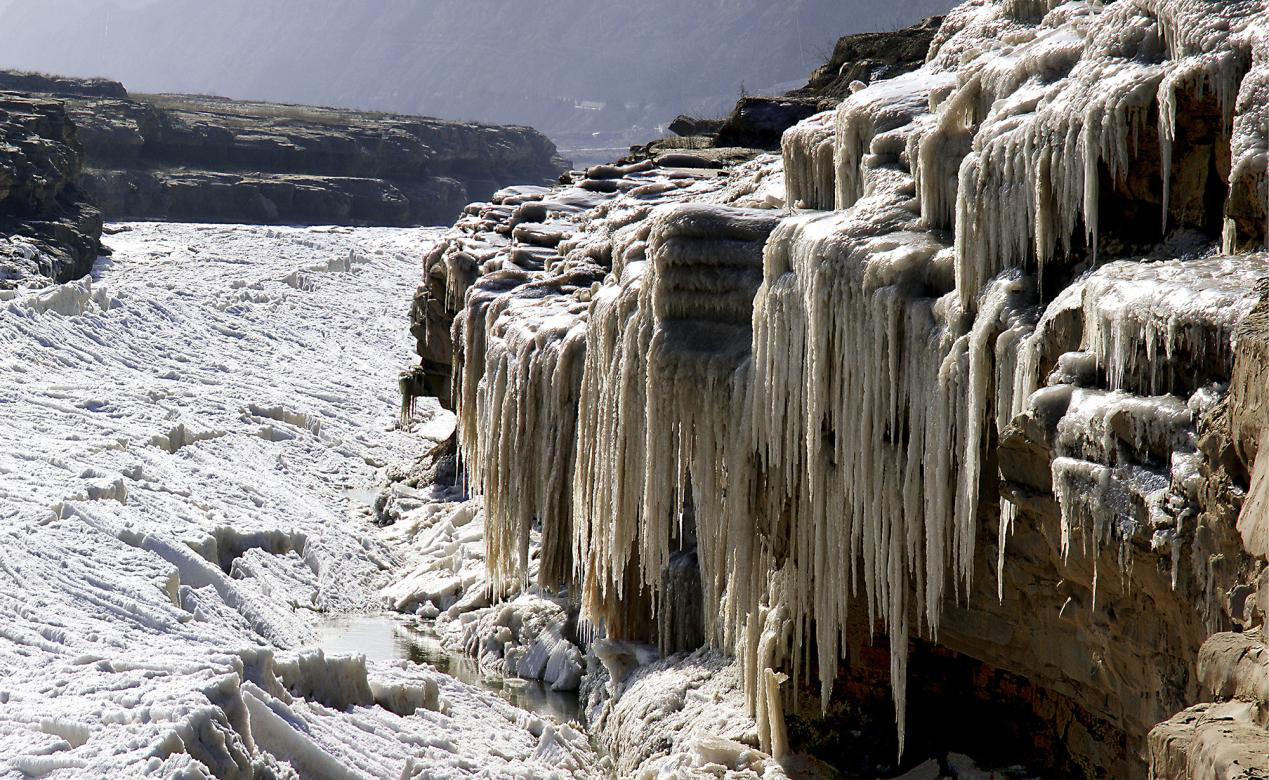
(362, 498)
(389, 638)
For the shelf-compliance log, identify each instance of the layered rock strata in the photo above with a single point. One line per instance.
(207, 159)
(49, 231)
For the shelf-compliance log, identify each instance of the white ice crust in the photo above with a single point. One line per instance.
(181, 435)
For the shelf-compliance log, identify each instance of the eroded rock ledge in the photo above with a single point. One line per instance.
(208, 159)
(976, 429)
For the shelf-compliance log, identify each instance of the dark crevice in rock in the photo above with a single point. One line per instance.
(956, 704)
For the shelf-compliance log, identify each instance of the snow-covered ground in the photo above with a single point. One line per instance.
(185, 447)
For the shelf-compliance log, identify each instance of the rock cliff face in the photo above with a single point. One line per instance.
(49, 232)
(196, 158)
(974, 436)
(758, 122)
(20, 81)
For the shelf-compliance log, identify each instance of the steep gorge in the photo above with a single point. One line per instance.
(975, 401)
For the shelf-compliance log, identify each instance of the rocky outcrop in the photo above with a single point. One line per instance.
(858, 60)
(760, 122)
(869, 57)
(49, 232)
(688, 126)
(197, 158)
(19, 81)
(1227, 737)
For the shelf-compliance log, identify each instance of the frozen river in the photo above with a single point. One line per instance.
(184, 441)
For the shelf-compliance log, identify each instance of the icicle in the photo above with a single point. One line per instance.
(779, 735)
(1020, 194)
(841, 346)
(1190, 308)
(808, 162)
(659, 400)
(518, 378)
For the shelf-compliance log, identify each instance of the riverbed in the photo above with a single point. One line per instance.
(189, 439)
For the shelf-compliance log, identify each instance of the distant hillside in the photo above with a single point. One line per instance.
(568, 67)
(207, 159)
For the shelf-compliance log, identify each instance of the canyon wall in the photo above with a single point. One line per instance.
(49, 231)
(946, 423)
(207, 159)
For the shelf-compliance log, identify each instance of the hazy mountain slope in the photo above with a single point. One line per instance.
(491, 60)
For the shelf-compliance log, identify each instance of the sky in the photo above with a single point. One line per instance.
(569, 67)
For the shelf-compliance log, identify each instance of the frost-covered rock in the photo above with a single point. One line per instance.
(977, 399)
(682, 716)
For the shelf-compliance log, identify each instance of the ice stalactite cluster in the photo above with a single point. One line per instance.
(862, 376)
(523, 414)
(1165, 327)
(1151, 346)
(873, 132)
(608, 483)
(693, 327)
(520, 338)
(874, 392)
(663, 337)
(658, 404)
(809, 162)
(1064, 109)
(821, 425)
(518, 350)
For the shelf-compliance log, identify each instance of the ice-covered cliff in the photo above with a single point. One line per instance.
(974, 399)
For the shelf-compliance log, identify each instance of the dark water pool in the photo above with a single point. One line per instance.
(389, 637)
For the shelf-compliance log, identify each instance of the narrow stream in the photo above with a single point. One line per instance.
(388, 637)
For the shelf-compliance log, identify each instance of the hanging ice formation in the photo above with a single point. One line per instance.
(518, 428)
(1151, 344)
(659, 401)
(824, 424)
(526, 268)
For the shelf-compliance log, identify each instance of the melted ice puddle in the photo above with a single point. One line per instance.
(363, 499)
(386, 638)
